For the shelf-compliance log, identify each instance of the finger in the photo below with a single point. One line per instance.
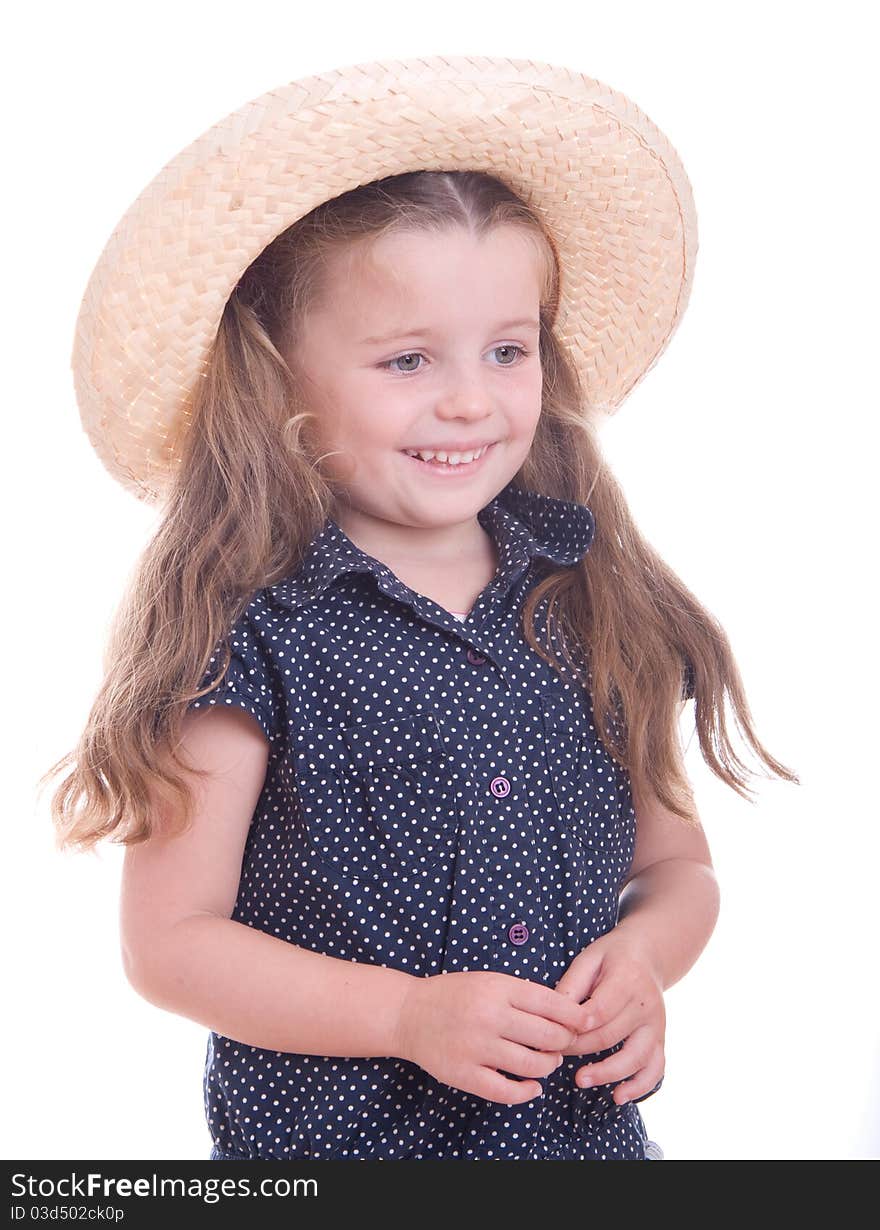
(522, 1060)
(639, 1050)
(608, 1000)
(636, 1094)
(582, 974)
(546, 1002)
(497, 1088)
(633, 1086)
(611, 1032)
(538, 1031)
(640, 1083)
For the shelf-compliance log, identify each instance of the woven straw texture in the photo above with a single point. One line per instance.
(609, 187)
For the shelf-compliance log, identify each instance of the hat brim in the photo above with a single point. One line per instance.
(607, 184)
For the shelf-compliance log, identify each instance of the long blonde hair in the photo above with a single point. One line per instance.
(249, 496)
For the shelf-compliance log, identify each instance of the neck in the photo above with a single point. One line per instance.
(442, 547)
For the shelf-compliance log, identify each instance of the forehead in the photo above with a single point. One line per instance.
(408, 271)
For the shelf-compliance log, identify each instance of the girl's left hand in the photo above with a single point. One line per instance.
(624, 1004)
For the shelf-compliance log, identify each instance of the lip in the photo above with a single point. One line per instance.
(442, 470)
(472, 446)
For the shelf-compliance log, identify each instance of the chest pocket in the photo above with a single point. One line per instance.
(591, 789)
(377, 801)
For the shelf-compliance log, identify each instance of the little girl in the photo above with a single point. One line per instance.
(390, 720)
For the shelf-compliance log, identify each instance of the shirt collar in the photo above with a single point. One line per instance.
(523, 524)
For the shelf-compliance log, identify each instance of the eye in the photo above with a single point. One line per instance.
(509, 347)
(411, 354)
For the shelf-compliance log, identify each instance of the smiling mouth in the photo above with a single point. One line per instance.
(445, 467)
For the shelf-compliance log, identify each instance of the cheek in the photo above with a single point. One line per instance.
(334, 445)
(360, 450)
(339, 468)
(524, 409)
(374, 437)
(526, 390)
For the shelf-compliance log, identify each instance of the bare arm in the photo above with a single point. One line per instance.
(671, 899)
(183, 952)
(670, 909)
(258, 989)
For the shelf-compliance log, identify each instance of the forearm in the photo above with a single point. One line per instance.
(251, 986)
(670, 910)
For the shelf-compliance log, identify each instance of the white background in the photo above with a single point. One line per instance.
(748, 456)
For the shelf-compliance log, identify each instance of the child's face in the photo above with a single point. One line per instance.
(449, 373)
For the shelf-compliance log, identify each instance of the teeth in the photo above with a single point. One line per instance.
(453, 459)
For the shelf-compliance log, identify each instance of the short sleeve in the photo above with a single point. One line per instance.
(247, 683)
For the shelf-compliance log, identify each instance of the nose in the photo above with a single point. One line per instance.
(465, 397)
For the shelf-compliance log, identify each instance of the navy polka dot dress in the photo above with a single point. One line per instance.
(436, 799)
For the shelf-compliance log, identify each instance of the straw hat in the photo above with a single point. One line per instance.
(607, 184)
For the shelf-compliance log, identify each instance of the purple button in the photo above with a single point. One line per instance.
(518, 933)
(475, 659)
(499, 786)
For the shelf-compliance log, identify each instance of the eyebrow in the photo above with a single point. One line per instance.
(423, 332)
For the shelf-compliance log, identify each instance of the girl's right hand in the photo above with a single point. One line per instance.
(462, 1027)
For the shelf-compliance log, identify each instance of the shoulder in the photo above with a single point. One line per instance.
(285, 645)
